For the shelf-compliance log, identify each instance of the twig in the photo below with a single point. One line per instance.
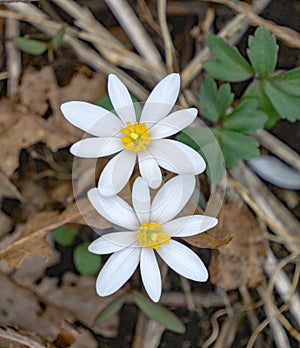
(136, 32)
(266, 205)
(289, 36)
(13, 55)
(188, 294)
(280, 149)
(85, 53)
(282, 283)
(168, 44)
(232, 32)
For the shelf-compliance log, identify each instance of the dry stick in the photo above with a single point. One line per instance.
(136, 32)
(85, 53)
(111, 49)
(282, 283)
(280, 149)
(168, 44)
(289, 36)
(266, 205)
(12, 335)
(13, 55)
(188, 294)
(232, 32)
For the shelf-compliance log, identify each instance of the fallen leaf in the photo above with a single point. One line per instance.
(6, 224)
(32, 240)
(239, 262)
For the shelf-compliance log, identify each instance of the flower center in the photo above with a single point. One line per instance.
(136, 136)
(151, 236)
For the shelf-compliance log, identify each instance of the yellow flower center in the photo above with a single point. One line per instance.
(136, 136)
(151, 236)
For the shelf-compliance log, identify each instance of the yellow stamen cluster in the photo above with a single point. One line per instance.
(136, 136)
(151, 236)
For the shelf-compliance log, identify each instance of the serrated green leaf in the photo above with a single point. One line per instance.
(111, 309)
(159, 313)
(245, 118)
(229, 65)
(288, 81)
(255, 92)
(30, 46)
(203, 141)
(235, 146)
(64, 236)
(84, 261)
(214, 102)
(286, 105)
(208, 96)
(262, 52)
(58, 37)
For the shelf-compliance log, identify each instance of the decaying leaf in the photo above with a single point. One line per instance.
(8, 189)
(32, 240)
(239, 262)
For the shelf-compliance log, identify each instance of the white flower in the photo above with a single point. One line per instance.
(148, 229)
(134, 139)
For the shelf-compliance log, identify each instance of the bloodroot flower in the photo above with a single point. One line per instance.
(135, 139)
(148, 230)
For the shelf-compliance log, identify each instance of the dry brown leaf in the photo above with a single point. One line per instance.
(33, 241)
(6, 224)
(8, 189)
(239, 262)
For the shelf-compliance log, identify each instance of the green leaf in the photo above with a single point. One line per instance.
(84, 261)
(235, 146)
(112, 308)
(105, 103)
(158, 313)
(262, 52)
(30, 46)
(214, 102)
(288, 81)
(64, 236)
(229, 65)
(287, 105)
(245, 118)
(58, 37)
(203, 141)
(256, 92)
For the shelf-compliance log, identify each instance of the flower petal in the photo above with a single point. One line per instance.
(117, 270)
(141, 200)
(91, 118)
(189, 225)
(173, 123)
(171, 198)
(114, 209)
(149, 169)
(121, 99)
(161, 100)
(96, 147)
(183, 261)
(176, 157)
(150, 274)
(116, 173)
(112, 242)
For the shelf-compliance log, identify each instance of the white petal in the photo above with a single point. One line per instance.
(173, 123)
(177, 157)
(141, 200)
(171, 198)
(112, 242)
(150, 274)
(116, 173)
(189, 225)
(183, 261)
(149, 169)
(117, 270)
(96, 147)
(161, 100)
(114, 209)
(121, 99)
(91, 118)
